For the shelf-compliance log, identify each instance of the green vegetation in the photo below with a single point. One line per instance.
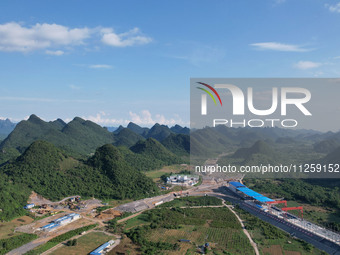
(161, 229)
(58, 239)
(78, 137)
(193, 201)
(13, 197)
(154, 150)
(11, 243)
(72, 242)
(103, 208)
(158, 132)
(127, 138)
(105, 175)
(178, 144)
(144, 162)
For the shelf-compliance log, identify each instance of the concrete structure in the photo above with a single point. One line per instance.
(103, 248)
(188, 180)
(29, 206)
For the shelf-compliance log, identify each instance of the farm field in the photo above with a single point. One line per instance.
(85, 245)
(219, 239)
(216, 226)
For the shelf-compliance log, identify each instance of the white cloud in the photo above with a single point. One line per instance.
(15, 37)
(54, 53)
(279, 47)
(103, 118)
(304, 65)
(333, 8)
(145, 118)
(102, 66)
(130, 38)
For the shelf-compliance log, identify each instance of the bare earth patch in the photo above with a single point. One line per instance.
(273, 250)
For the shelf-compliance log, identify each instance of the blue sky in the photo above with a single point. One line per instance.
(118, 61)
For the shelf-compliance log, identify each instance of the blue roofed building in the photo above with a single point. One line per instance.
(247, 193)
(101, 249)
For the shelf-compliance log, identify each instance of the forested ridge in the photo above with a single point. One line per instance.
(53, 174)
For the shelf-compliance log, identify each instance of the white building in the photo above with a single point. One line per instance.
(179, 179)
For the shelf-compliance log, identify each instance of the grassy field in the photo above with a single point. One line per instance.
(7, 228)
(156, 174)
(136, 221)
(86, 244)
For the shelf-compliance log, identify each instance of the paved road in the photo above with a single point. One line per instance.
(25, 248)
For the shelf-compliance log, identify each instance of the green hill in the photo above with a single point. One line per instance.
(78, 137)
(127, 137)
(159, 132)
(178, 144)
(51, 173)
(153, 149)
(260, 147)
(180, 130)
(259, 153)
(129, 182)
(137, 129)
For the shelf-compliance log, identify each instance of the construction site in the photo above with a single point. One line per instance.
(270, 206)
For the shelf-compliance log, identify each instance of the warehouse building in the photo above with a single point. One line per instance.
(60, 222)
(103, 248)
(247, 193)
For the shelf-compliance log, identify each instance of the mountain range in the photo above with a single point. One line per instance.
(6, 127)
(79, 137)
(57, 159)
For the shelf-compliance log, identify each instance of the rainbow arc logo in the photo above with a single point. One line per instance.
(204, 97)
(209, 93)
